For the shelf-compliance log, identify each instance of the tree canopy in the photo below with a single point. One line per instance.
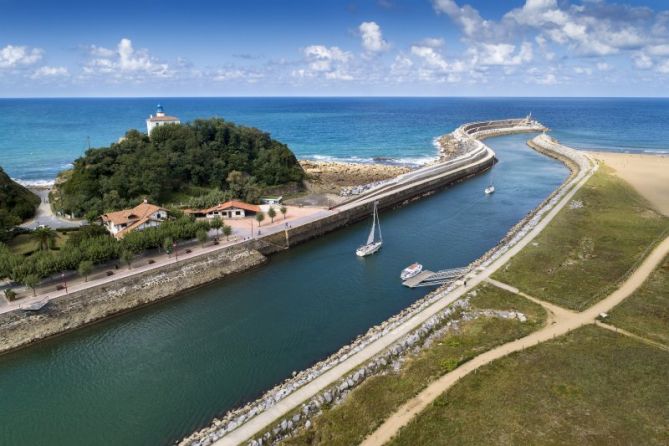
(203, 153)
(16, 203)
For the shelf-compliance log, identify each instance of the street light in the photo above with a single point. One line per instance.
(176, 256)
(62, 276)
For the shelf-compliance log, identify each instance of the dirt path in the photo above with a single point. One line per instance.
(564, 321)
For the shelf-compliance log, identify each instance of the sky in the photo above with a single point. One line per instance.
(334, 48)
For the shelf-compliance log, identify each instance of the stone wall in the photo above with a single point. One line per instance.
(84, 307)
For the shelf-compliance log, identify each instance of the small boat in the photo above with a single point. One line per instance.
(410, 271)
(372, 246)
(489, 190)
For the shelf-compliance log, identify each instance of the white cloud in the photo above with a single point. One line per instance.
(468, 18)
(124, 62)
(15, 56)
(433, 42)
(50, 72)
(372, 37)
(500, 54)
(328, 62)
(603, 66)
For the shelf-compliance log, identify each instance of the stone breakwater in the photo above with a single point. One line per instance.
(580, 166)
(74, 310)
(390, 360)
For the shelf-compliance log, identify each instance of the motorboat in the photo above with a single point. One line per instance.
(411, 271)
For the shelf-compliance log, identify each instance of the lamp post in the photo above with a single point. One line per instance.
(62, 277)
(176, 256)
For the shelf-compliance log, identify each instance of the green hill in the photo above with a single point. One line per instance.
(200, 156)
(16, 203)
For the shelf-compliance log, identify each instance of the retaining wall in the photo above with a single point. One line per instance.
(74, 310)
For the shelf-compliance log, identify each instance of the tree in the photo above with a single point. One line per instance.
(31, 281)
(227, 230)
(92, 216)
(168, 245)
(216, 224)
(85, 269)
(45, 237)
(271, 213)
(202, 236)
(260, 216)
(127, 257)
(283, 211)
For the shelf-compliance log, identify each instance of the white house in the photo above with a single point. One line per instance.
(229, 209)
(140, 217)
(160, 119)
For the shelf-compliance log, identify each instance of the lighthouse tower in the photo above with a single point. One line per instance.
(160, 118)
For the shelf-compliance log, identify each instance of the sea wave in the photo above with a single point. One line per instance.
(34, 183)
(402, 161)
(657, 151)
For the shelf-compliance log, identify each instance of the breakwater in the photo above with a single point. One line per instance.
(280, 417)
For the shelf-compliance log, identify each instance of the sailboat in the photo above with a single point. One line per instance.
(372, 246)
(490, 189)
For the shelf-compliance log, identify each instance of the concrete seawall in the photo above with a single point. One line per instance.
(77, 309)
(87, 306)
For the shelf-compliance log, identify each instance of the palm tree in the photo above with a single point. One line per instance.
(31, 281)
(216, 223)
(227, 230)
(85, 268)
(127, 257)
(202, 236)
(271, 213)
(283, 211)
(45, 237)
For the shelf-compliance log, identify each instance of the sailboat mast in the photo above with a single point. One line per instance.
(378, 222)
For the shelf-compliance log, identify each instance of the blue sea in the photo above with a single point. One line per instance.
(40, 137)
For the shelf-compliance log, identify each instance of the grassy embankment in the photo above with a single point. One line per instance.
(646, 312)
(586, 251)
(374, 400)
(591, 387)
(25, 244)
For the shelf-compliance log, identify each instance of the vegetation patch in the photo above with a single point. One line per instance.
(175, 163)
(590, 387)
(584, 253)
(646, 312)
(16, 204)
(379, 396)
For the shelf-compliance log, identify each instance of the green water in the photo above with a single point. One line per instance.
(154, 375)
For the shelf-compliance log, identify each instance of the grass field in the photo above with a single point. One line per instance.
(646, 312)
(368, 405)
(586, 251)
(590, 387)
(24, 244)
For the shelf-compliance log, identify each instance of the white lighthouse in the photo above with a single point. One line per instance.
(160, 119)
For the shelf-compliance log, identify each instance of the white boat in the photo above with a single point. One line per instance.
(410, 271)
(489, 190)
(372, 245)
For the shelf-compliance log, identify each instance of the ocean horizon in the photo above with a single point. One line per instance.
(43, 136)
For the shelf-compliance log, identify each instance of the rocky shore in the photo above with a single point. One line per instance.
(331, 177)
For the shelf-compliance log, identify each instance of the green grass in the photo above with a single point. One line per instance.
(584, 253)
(24, 244)
(590, 387)
(646, 312)
(373, 401)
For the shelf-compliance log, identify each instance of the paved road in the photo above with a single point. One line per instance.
(563, 322)
(45, 216)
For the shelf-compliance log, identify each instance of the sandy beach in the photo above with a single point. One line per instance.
(648, 174)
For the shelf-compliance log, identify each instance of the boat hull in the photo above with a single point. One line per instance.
(408, 273)
(369, 249)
